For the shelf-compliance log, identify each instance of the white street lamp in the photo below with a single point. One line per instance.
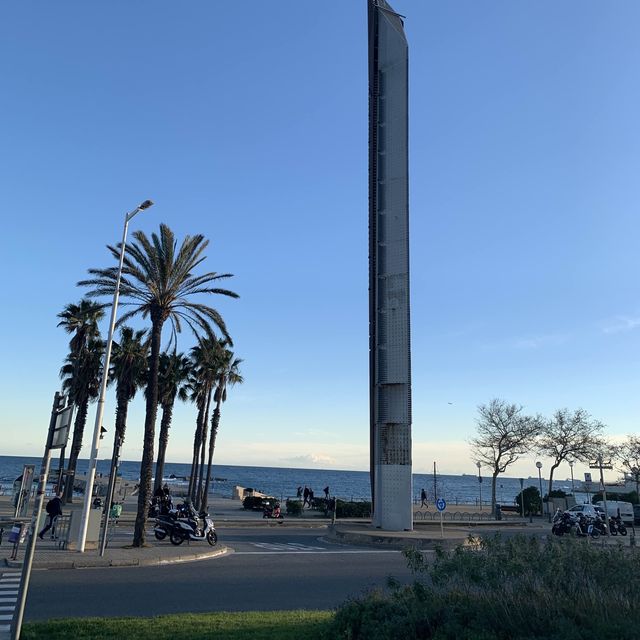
(88, 490)
(478, 464)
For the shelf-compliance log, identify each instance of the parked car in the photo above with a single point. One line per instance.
(586, 509)
(636, 514)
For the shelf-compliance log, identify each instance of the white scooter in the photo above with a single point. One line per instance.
(198, 527)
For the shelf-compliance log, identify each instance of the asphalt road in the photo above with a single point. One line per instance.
(271, 569)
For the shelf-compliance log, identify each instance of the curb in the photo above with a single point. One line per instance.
(100, 563)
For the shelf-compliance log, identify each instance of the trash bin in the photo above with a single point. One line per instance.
(498, 512)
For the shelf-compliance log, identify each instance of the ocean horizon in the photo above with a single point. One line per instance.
(282, 482)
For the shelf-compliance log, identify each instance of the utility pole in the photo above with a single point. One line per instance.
(57, 437)
(599, 464)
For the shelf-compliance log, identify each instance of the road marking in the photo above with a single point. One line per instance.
(7, 608)
(286, 546)
(6, 618)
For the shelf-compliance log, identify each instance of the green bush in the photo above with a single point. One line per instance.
(532, 503)
(497, 589)
(346, 509)
(294, 507)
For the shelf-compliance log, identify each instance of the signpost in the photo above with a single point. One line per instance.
(59, 424)
(441, 505)
(24, 493)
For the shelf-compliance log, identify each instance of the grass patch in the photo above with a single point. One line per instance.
(251, 625)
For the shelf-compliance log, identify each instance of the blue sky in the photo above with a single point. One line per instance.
(247, 122)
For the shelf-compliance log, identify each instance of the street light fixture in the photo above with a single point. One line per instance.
(88, 490)
(539, 465)
(478, 464)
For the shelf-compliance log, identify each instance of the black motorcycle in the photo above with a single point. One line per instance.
(616, 526)
(166, 520)
(585, 527)
(562, 523)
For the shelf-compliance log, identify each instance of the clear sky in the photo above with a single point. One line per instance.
(247, 121)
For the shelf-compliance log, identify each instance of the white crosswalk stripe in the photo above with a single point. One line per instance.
(9, 583)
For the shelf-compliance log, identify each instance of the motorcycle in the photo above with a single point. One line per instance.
(585, 527)
(600, 524)
(166, 520)
(562, 523)
(616, 526)
(273, 512)
(198, 527)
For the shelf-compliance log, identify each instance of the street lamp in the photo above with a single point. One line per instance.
(539, 465)
(478, 464)
(88, 490)
(573, 489)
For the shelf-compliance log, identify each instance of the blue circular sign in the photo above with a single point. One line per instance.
(441, 505)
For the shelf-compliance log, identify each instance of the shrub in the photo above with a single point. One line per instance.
(294, 507)
(532, 503)
(346, 509)
(499, 589)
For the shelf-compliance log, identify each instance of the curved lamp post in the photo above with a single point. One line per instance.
(88, 490)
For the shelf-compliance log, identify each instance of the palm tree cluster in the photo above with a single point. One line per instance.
(159, 285)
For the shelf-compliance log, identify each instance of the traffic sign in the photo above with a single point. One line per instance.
(441, 505)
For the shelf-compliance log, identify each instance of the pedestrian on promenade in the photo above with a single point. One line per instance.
(423, 498)
(310, 497)
(299, 493)
(306, 496)
(326, 492)
(54, 509)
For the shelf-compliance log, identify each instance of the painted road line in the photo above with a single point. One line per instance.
(8, 600)
(5, 618)
(7, 608)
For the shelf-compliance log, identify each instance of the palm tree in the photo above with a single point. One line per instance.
(81, 380)
(172, 383)
(81, 320)
(206, 364)
(228, 376)
(159, 284)
(129, 372)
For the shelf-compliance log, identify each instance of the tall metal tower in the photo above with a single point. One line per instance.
(389, 326)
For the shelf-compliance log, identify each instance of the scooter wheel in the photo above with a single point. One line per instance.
(176, 538)
(212, 538)
(623, 532)
(160, 535)
(614, 532)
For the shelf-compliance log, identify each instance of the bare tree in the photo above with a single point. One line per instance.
(628, 456)
(569, 435)
(504, 434)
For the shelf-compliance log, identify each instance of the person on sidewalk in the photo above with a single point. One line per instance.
(54, 509)
(326, 492)
(423, 498)
(306, 496)
(310, 498)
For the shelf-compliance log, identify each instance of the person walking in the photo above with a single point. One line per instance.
(54, 509)
(305, 495)
(423, 498)
(310, 498)
(326, 492)
(299, 493)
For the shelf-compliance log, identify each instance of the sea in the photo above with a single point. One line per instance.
(282, 482)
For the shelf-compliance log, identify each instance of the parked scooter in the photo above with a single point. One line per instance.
(273, 512)
(616, 526)
(562, 523)
(166, 520)
(196, 527)
(585, 527)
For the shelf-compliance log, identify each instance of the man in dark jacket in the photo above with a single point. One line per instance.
(54, 509)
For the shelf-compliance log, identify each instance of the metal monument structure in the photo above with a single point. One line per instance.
(389, 326)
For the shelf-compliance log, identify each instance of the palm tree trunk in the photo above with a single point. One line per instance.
(121, 415)
(146, 466)
(76, 445)
(203, 448)
(163, 440)
(197, 439)
(215, 422)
